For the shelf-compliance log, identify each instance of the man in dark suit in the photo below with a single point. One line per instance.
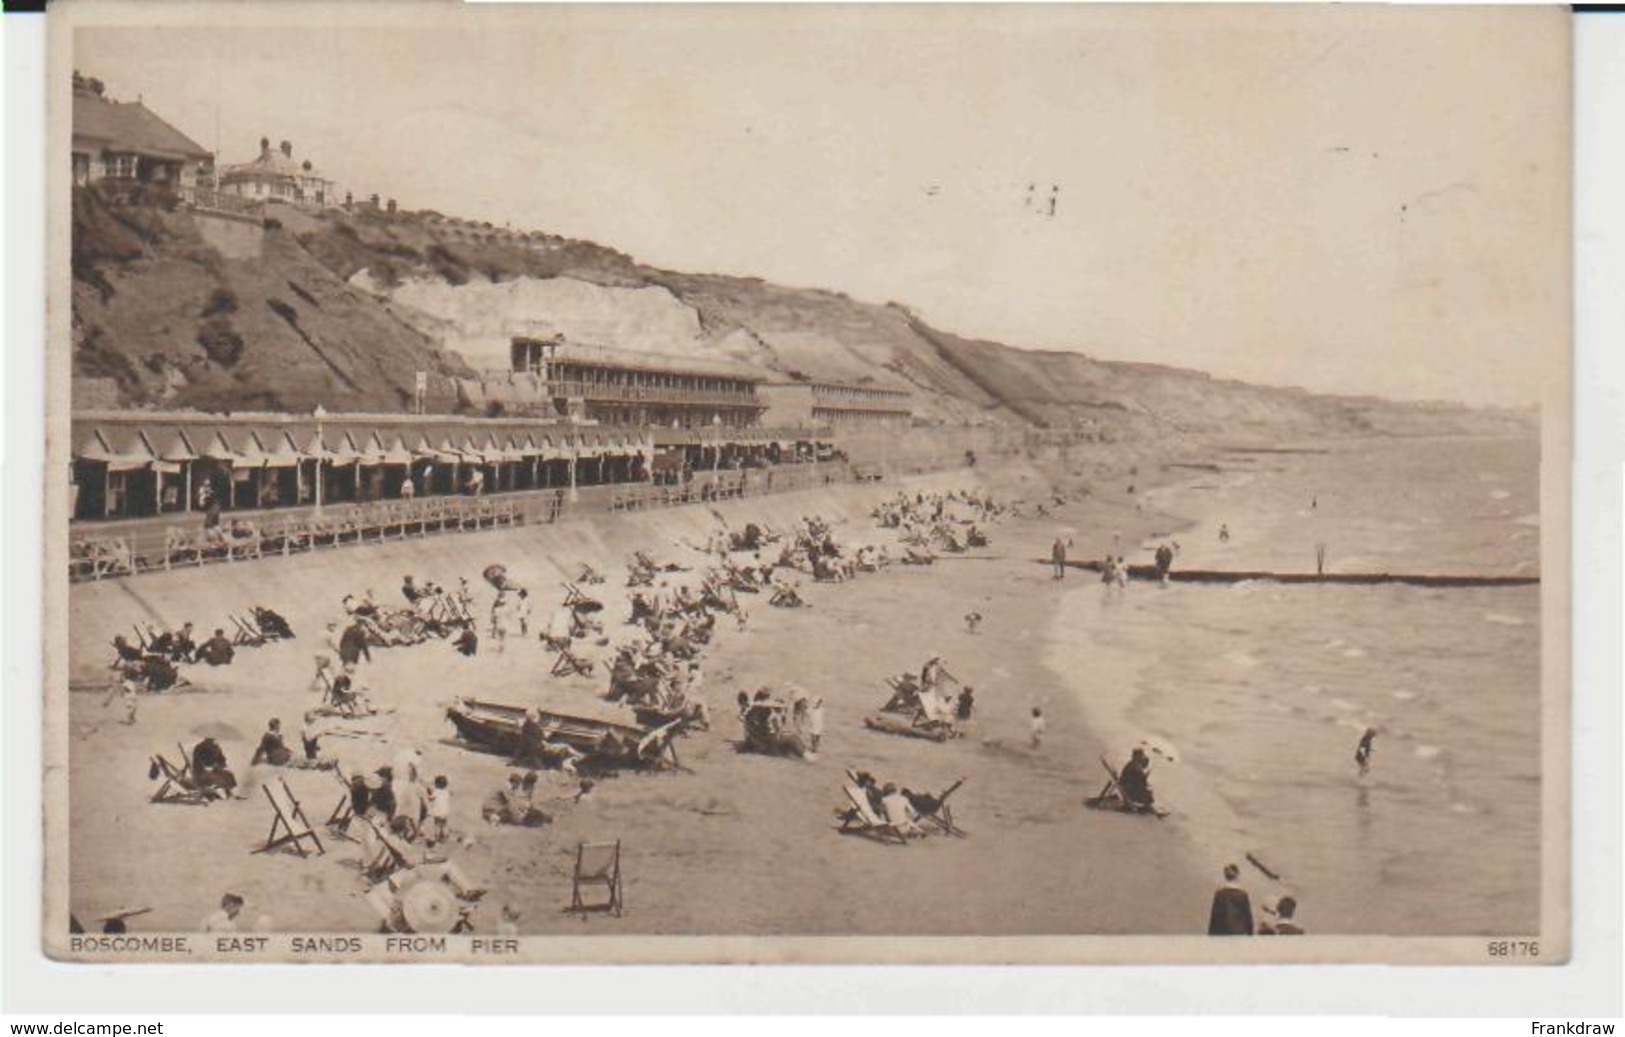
(1232, 913)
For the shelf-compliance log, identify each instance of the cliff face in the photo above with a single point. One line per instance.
(342, 309)
(161, 316)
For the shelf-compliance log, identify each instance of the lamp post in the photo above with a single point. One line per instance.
(321, 452)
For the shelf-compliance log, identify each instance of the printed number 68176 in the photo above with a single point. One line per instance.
(1513, 948)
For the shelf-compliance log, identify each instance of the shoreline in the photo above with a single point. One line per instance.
(1222, 681)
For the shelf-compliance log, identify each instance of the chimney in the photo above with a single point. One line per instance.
(287, 149)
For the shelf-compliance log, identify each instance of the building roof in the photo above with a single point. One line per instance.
(816, 384)
(272, 163)
(129, 126)
(662, 363)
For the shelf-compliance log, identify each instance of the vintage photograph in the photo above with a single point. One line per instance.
(829, 484)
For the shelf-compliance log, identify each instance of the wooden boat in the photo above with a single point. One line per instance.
(606, 744)
(934, 731)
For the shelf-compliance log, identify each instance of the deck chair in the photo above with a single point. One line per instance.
(576, 601)
(289, 826)
(569, 663)
(659, 747)
(860, 819)
(248, 633)
(785, 598)
(388, 858)
(343, 814)
(589, 575)
(905, 697)
(1110, 796)
(177, 783)
(936, 811)
(597, 864)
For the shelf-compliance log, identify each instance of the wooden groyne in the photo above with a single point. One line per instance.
(1149, 572)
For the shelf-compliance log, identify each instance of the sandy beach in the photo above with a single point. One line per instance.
(1211, 681)
(735, 843)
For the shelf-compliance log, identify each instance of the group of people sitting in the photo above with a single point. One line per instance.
(642, 570)
(515, 804)
(899, 807)
(788, 723)
(929, 698)
(151, 661)
(540, 746)
(273, 746)
(946, 520)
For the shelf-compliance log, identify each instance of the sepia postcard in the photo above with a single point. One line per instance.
(764, 484)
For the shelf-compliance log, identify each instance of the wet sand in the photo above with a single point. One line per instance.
(735, 843)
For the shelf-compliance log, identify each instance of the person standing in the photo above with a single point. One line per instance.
(1232, 911)
(408, 490)
(439, 799)
(521, 612)
(815, 723)
(1036, 726)
(1362, 752)
(499, 620)
(1057, 555)
(353, 644)
(1165, 563)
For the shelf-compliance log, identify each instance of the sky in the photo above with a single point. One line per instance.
(1350, 199)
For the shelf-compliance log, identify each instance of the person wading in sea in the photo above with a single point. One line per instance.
(1362, 753)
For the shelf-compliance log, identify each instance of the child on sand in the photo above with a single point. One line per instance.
(439, 797)
(126, 693)
(1036, 726)
(509, 926)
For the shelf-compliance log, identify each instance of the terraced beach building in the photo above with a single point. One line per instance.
(619, 387)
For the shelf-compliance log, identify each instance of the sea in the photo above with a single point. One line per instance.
(1252, 697)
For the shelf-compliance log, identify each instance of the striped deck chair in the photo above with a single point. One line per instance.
(597, 864)
(860, 819)
(934, 809)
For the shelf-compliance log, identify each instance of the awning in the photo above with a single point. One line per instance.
(98, 448)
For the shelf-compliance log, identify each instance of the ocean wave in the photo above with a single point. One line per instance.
(1427, 752)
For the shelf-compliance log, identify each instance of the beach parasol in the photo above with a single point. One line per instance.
(428, 908)
(497, 576)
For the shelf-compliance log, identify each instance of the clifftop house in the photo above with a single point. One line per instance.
(125, 141)
(276, 177)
